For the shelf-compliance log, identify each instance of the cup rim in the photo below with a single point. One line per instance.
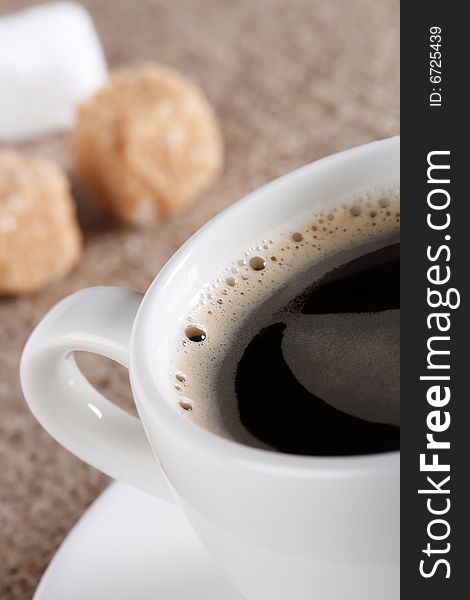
(150, 397)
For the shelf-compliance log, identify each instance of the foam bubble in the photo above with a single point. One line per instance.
(186, 404)
(257, 263)
(355, 210)
(195, 333)
(384, 202)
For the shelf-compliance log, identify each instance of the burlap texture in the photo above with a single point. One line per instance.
(291, 80)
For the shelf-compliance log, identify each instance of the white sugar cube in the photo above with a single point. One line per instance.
(50, 60)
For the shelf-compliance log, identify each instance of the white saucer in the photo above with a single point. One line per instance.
(132, 546)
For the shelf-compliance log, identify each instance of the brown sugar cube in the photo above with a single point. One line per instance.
(39, 237)
(147, 144)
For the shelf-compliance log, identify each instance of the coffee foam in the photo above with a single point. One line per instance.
(245, 297)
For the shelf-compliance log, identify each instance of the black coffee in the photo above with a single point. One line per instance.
(294, 346)
(280, 411)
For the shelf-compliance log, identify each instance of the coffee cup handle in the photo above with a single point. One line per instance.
(97, 320)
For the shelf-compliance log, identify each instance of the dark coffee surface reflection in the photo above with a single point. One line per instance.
(279, 411)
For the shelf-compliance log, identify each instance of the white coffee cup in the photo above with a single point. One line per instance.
(281, 526)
